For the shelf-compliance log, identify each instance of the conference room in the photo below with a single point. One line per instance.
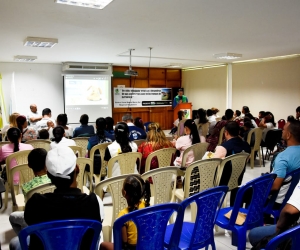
(132, 57)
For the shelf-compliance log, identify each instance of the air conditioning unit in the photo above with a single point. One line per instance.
(77, 66)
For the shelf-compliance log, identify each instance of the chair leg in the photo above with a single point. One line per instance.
(6, 195)
(239, 239)
(261, 156)
(252, 159)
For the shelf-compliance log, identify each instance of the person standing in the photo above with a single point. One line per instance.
(180, 98)
(34, 116)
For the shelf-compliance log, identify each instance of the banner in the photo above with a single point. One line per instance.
(142, 97)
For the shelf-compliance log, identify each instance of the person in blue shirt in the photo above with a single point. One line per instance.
(84, 129)
(135, 133)
(180, 98)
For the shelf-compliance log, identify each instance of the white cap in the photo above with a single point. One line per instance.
(61, 161)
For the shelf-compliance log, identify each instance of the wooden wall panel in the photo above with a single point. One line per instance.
(148, 78)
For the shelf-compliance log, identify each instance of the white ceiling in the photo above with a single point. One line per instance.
(180, 31)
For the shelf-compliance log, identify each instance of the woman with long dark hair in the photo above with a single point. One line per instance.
(110, 125)
(268, 123)
(14, 136)
(62, 120)
(28, 133)
(102, 136)
(122, 144)
(182, 143)
(60, 139)
(202, 124)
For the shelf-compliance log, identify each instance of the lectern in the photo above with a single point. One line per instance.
(186, 108)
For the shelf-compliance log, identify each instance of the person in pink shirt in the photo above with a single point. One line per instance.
(182, 143)
(14, 136)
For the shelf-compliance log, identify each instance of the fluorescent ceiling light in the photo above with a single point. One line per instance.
(172, 65)
(96, 4)
(268, 58)
(203, 67)
(25, 58)
(227, 56)
(40, 42)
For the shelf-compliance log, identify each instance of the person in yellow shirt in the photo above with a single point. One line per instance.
(134, 189)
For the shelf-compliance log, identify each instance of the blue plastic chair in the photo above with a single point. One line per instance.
(260, 190)
(269, 208)
(188, 235)
(61, 234)
(151, 223)
(293, 234)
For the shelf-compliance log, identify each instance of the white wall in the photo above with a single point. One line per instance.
(41, 84)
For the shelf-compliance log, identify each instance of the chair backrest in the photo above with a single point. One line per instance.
(199, 150)
(180, 128)
(221, 136)
(101, 147)
(127, 163)
(260, 190)
(21, 157)
(139, 142)
(200, 175)
(164, 157)
(82, 142)
(208, 204)
(281, 123)
(273, 137)
(39, 143)
(26, 174)
(63, 234)
(258, 135)
(114, 185)
(293, 234)
(161, 178)
(42, 189)
(238, 162)
(295, 175)
(82, 162)
(151, 223)
(4, 143)
(77, 150)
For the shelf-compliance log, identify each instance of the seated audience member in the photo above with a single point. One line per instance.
(84, 128)
(62, 120)
(233, 145)
(202, 124)
(33, 116)
(288, 216)
(138, 122)
(215, 112)
(214, 137)
(261, 115)
(137, 194)
(101, 137)
(194, 114)
(212, 120)
(14, 136)
(180, 116)
(286, 161)
(156, 140)
(28, 133)
(59, 138)
(135, 133)
(12, 123)
(252, 119)
(190, 138)
(44, 134)
(298, 113)
(43, 123)
(237, 115)
(110, 125)
(67, 201)
(122, 144)
(290, 118)
(268, 123)
(248, 126)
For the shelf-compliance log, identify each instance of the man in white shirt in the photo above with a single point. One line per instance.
(33, 116)
(211, 119)
(45, 122)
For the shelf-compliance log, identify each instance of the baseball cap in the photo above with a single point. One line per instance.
(61, 161)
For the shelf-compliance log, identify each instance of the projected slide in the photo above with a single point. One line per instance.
(87, 95)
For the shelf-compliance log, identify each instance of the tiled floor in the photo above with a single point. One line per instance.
(222, 242)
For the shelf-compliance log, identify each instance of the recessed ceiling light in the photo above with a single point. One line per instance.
(40, 42)
(172, 65)
(25, 58)
(96, 4)
(227, 56)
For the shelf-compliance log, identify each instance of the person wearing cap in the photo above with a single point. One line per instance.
(180, 98)
(135, 133)
(66, 202)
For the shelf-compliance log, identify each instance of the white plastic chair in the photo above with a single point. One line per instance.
(39, 143)
(164, 157)
(81, 177)
(258, 136)
(161, 187)
(42, 189)
(77, 150)
(199, 150)
(82, 142)
(221, 136)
